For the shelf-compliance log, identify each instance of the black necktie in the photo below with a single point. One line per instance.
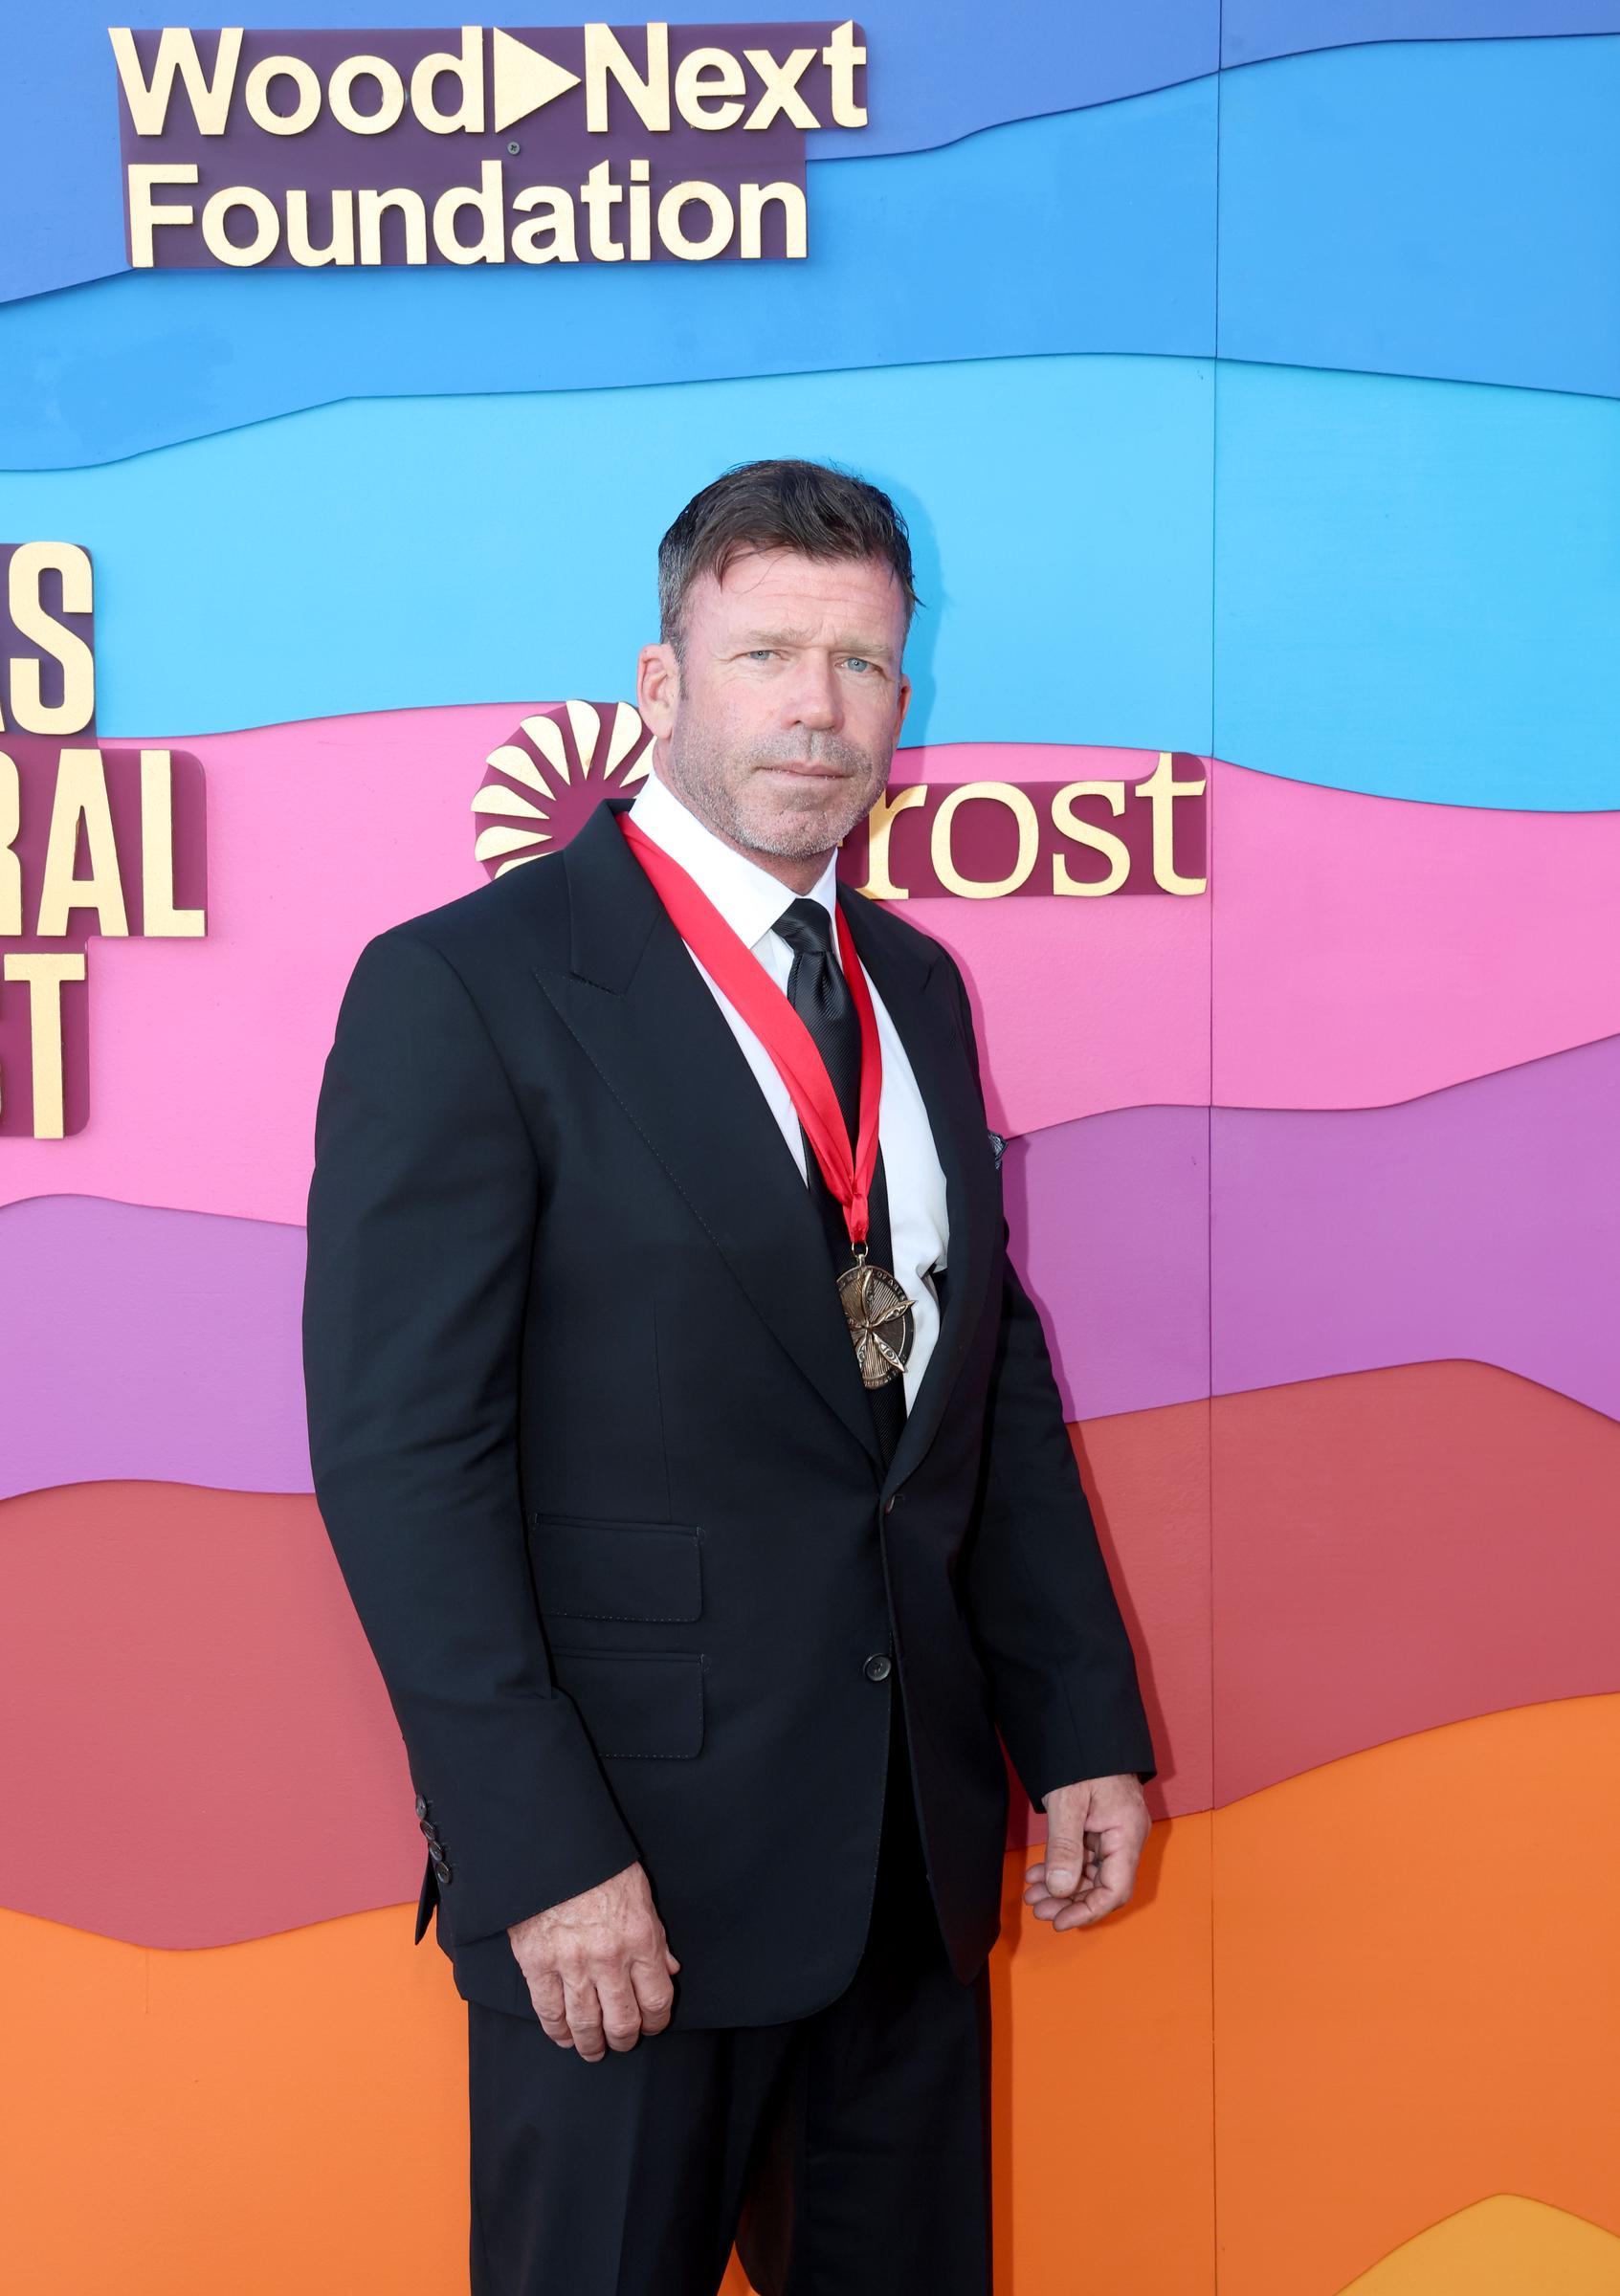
(820, 996)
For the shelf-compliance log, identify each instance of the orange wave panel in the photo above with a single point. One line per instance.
(1417, 1992)
(1503, 2246)
(1415, 2008)
(290, 2112)
(284, 2114)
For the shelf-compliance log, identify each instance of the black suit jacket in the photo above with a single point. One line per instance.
(592, 1450)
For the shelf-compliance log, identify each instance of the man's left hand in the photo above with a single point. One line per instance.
(1094, 1832)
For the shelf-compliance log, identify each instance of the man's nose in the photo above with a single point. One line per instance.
(814, 698)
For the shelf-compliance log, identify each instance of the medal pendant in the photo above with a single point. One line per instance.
(878, 1315)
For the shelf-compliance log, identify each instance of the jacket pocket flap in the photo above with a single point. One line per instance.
(588, 1567)
(646, 1704)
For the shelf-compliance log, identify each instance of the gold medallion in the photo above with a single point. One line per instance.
(878, 1315)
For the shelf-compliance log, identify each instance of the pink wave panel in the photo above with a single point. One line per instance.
(205, 1057)
(1080, 1005)
(147, 1343)
(1367, 949)
(196, 1745)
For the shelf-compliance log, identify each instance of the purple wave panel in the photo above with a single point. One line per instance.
(1108, 1222)
(152, 1345)
(1480, 1221)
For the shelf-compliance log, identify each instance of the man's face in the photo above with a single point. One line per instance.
(778, 723)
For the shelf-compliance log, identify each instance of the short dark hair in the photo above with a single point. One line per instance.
(816, 508)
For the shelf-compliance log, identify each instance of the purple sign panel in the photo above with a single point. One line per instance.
(601, 143)
(47, 652)
(1136, 829)
(988, 840)
(94, 842)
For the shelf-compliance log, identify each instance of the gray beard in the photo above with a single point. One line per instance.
(705, 784)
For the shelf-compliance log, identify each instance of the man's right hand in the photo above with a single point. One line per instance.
(597, 1966)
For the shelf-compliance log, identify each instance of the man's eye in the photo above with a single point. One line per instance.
(858, 661)
(761, 654)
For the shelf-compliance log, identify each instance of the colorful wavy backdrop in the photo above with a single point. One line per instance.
(1252, 393)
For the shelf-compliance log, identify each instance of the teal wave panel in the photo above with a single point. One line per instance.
(1418, 588)
(392, 554)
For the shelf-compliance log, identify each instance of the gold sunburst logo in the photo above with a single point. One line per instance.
(539, 786)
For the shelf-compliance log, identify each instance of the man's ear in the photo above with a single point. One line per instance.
(657, 688)
(904, 705)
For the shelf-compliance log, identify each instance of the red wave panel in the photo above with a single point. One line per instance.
(196, 1745)
(1398, 1549)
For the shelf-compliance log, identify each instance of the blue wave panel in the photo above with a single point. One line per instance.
(940, 69)
(1447, 209)
(955, 65)
(1251, 29)
(1442, 619)
(1093, 231)
(391, 554)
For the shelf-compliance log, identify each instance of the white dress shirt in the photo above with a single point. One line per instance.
(751, 900)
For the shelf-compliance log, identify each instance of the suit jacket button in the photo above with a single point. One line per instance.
(441, 1870)
(421, 1806)
(877, 1667)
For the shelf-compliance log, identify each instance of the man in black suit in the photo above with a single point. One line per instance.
(701, 1582)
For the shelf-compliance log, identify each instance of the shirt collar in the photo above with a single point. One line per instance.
(748, 898)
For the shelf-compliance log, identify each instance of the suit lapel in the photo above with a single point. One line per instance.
(646, 1019)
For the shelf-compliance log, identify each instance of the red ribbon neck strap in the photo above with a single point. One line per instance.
(792, 1048)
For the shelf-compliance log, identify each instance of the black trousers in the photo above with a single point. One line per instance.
(846, 2152)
